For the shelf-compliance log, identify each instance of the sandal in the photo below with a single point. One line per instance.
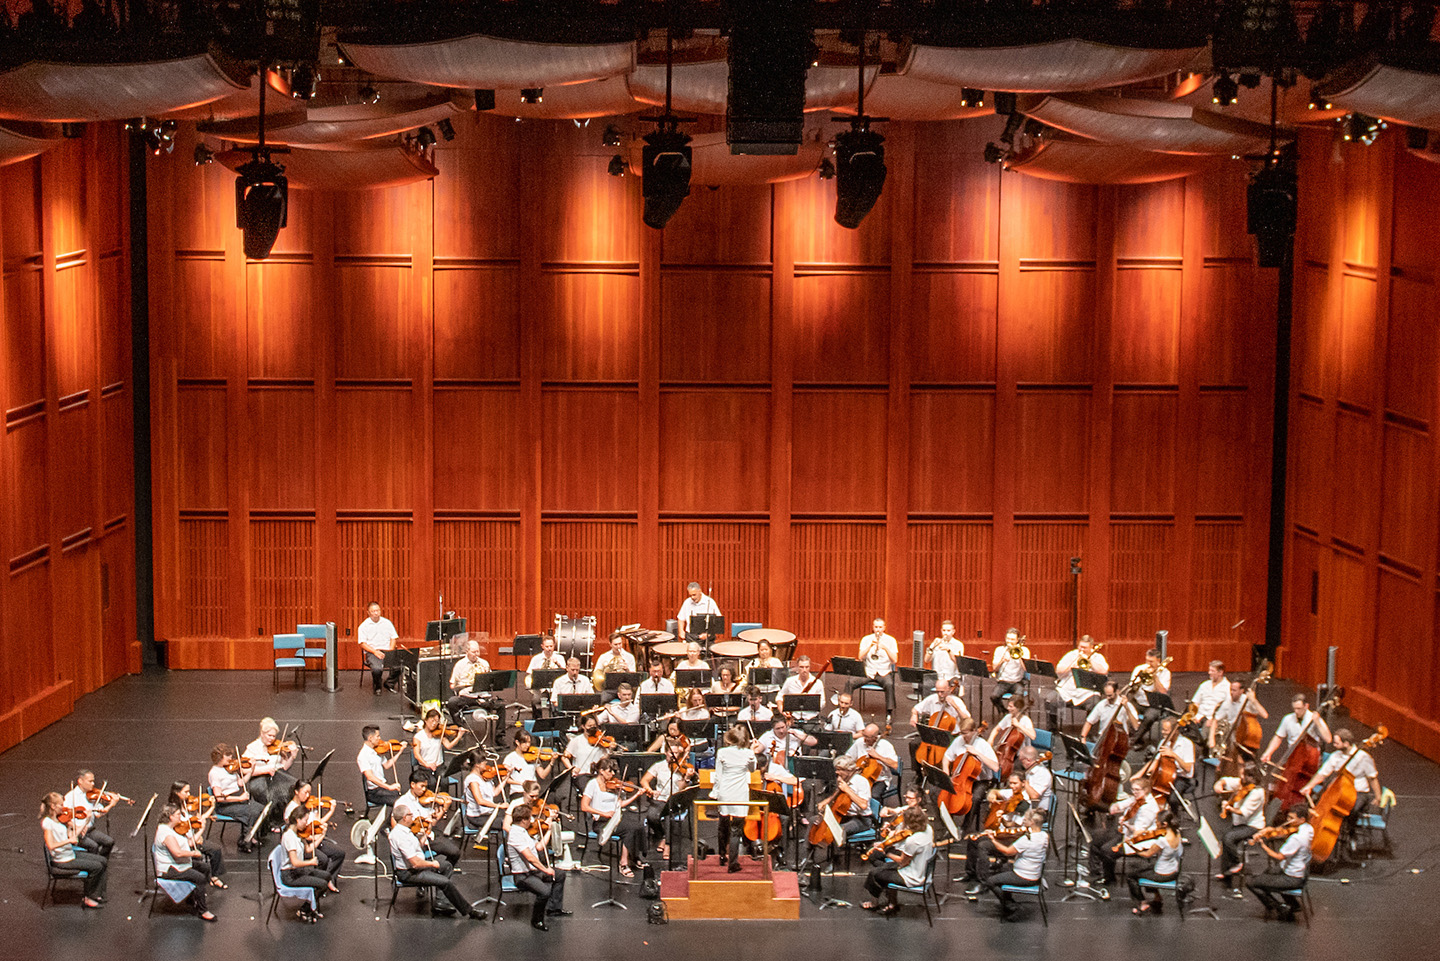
(217, 883)
(889, 910)
(625, 871)
(871, 905)
(207, 916)
(1142, 909)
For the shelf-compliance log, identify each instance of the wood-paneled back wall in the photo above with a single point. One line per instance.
(502, 388)
(1364, 514)
(67, 608)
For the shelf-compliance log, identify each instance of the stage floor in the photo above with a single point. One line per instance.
(143, 731)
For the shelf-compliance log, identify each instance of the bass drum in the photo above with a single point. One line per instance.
(575, 637)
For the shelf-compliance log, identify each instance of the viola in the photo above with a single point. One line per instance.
(97, 796)
(311, 830)
(453, 731)
(1276, 833)
(196, 804)
(281, 747)
(494, 772)
(322, 804)
(430, 797)
(66, 815)
(541, 815)
(539, 755)
(601, 740)
(613, 785)
(392, 746)
(237, 765)
(1141, 838)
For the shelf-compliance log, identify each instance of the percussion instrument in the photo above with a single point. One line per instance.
(735, 648)
(575, 637)
(669, 649)
(772, 634)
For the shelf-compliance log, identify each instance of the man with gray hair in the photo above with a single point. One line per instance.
(696, 603)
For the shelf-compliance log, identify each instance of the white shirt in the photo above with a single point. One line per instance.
(1065, 684)
(369, 763)
(1009, 721)
(223, 784)
(521, 771)
(404, 845)
(880, 658)
(932, 703)
(580, 684)
(430, 750)
(1167, 863)
(517, 842)
(1228, 710)
(861, 787)
(978, 746)
(761, 713)
(265, 763)
(705, 605)
(583, 754)
(1102, 714)
(1290, 727)
(1250, 812)
(793, 685)
(463, 674)
(849, 721)
(1162, 674)
(1209, 695)
(543, 662)
(882, 747)
(1142, 820)
(164, 858)
(1039, 779)
(624, 662)
(663, 780)
(920, 847)
(604, 802)
(732, 778)
(769, 744)
(652, 686)
(63, 851)
(1184, 749)
(380, 634)
(294, 848)
(944, 654)
(76, 799)
(1030, 854)
(408, 802)
(1295, 854)
(475, 784)
(1009, 670)
(1362, 767)
(623, 713)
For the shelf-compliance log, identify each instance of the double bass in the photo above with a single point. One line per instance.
(1337, 801)
(1102, 782)
(1243, 739)
(1300, 765)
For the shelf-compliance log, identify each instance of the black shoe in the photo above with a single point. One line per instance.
(560, 914)
(477, 915)
(735, 868)
(539, 925)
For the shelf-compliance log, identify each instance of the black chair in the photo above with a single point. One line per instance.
(57, 873)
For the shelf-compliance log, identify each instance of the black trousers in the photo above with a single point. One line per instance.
(331, 857)
(445, 847)
(438, 879)
(1265, 887)
(377, 668)
(978, 852)
(1148, 720)
(549, 893)
(214, 859)
(1138, 893)
(878, 878)
(85, 861)
(996, 881)
(887, 684)
(313, 878)
(731, 830)
(1103, 854)
(380, 796)
(243, 811)
(97, 842)
(196, 875)
(1002, 688)
(1232, 848)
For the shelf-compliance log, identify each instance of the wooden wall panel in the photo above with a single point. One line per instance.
(838, 578)
(818, 239)
(1223, 448)
(587, 568)
(952, 329)
(373, 224)
(282, 468)
(204, 576)
(588, 215)
(1413, 238)
(282, 575)
(280, 319)
(730, 560)
(952, 452)
(1310, 468)
(477, 324)
(1052, 454)
(710, 329)
(1411, 349)
(588, 450)
(1315, 332)
(201, 438)
(1142, 453)
(713, 451)
(1232, 295)
(477, 566)
(1406, 495)
(839, 331)
(950, 571)
(72, 329)
(373, 312)
(375, 565)
(959, 193)
(375, 433)
(1357, 342)
(27, 488)
(1145, 339)
(1149, 220)
(590, 327)
(1351, 476)
(72, 495)
(477, 437)
(1140, 601)
(1402, 669)
(691, 237)
(839, 452)
(112, 319)
(20, 227)
(24, 336)
(118, 491)
(203, 316)
(1061, 221)
(1052, 336)
(477, 195)
(1216, 579)
(1044, 589)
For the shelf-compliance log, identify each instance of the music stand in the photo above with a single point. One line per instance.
(836, 742)
(691, 677)
(929, 774)
(679, 804)
(699, 728)
(968, 667)
(712, 624)
(848, 667)
(1076, 750)
(372, 832)
(149, 889)
(935, 737)
(318, 778)
(549, 726)
(626, 734)
(1039, 668)
(526, 646)
(798, 704)
(544, 678)
(657, 705)
(606, 834)
(808, 767)
(1089, 680)
(1211, 844)
(614, 679)
(634, 764)
(724, 703)
(256, 828)
(766, 676)
(919, 676)
(1078, 891)
(575, 703)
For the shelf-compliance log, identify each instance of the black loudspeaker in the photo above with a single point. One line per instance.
(1270, 209)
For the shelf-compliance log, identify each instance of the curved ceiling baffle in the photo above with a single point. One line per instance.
(45, 90)
(343, 122)
(21, 140)
(609, 97)
(1065, 157)
(352, 166)
(1165, 126)
(1401, 87)
(1253, 103)
(246, 103)
(902, 97)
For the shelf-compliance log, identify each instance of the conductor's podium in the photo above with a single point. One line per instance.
(708, 890)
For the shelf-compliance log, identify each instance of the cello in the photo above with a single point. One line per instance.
(820, 833)
(1243, 739)
(960, 796)
(768, 823)
(1102, 782)
(934, 754)
(1337, 801)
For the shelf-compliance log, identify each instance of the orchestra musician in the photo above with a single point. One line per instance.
(584, 752)
(1027, 854)
(424, 804)
(329, 856)
(754, 709)
(695, 603)
(724, 681)
(1112, 705)
(1245, 808)
(695, 709)
(880, 654)
(673, 730)
(968, 741)
(615, 659)
(1039, 782)
(657, 682)
(65, 855)
(1300, 723)
(1007, 666)
(733, 764)
(850, 781)
(1167, 850)
(463, 696)
(177, 859)
(571, 682)
(623, 710)
(1358, 762)
(801, 682)
(428, 747)
(302, 866)
(1182, 752)
(380, 789)
(1015, 719)
(982, 846)
(944, 650)
(906, 861)
(1137, 814)
(180, 796)
(482, 794)
(871, 745)
(533, 874)
(1067, 692)
(522, 770)
(692, 661)
(1227, 712)
(407, 856)
(943, 700)
(376, 635)
(1288, 866)
(1210, 692)
(1153, 696)
(661, 780)
(764, 659)
(780, 739)
(90, 837)
(844, 717)
(227, 779)
(270, 760)
(546, 660)
(601, 799)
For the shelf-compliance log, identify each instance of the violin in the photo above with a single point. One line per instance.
(98, 796)
(601, 740)
(539, 755)
(421, 826)
(238, 765)
(392, 746)
(66, 815)
(614, 785)
(1142, 837)
(430, 797)
(541, 814)
(196, 825)
(195, 805)
(282, 747)
(494, 772)
(892, 838)
(1276, 833)
(311, 831)
(453, 731)
(322, 804)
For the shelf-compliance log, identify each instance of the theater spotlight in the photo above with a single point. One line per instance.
(617, 166)
(369, 94)
(425, 138)
(304, 81)
(859, 174)
(827, 168)
(665, 174)
(203, 155)
(1225, 90)
(532, 94)
(446, 128)
(261, 199)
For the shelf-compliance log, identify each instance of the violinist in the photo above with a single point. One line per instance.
(801, 682)
(227, 783)
(942, 701)
(695, 709)
(623, 710)
(381, 790)
(201, 811)
(61, 834)
(427, 805)
(1067, 692)
(733, 764)
(482, 789)
(463, 696)
(177, 859)
(1301, 723)
(911, 799)
(1228, 711)
(1103, 714)
(1168, 849)
(1028, 861)
(301, 868)
(981, 846)
(523, 763)
(968, 741)
(270, 761)
(755, 709)
(880, 655)
(1245, 808)
(428, 747)
(316, 820)
(1212, 691)
(376, 635)
(615, 659)
(1152, 678)
(532, 874)
(91, 838)
(1137, 815)
(1358, 762)
(1007, 666)
(571, 682)
(844, 717)
(585, 750)
(662, 780)
(601, 800)
(906, 861)
(546, 660)
(1288, 866)
(944, 650)
(657, 682)
(673, 731)
(407, 855)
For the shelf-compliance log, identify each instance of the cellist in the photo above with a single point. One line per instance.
(1014, 731)
(1301, 725)
(966, 743)
(1103, 714)
(942, 702)
(1180, 749)
(1360, 764)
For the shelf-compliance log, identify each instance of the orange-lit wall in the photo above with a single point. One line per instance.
(67, 610)
(501, 387)
(1363, 531)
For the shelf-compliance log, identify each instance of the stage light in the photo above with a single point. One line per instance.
(617, 166)
(203, 155)
(1417, 138)
(304, 81)
(1360, 128)
(532, 94)
(484, 100)
(827, 169)
(446, 128)
(1225, 90)
(425, 138)
(1318, 103)
(611, 136)
(1249, 80)
(972, 97)
(994, 153)
(665, 176)
(369, 94)
(159, 137)
(261, 201)
(859, 174)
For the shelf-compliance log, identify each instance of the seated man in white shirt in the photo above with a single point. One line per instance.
(844, 717)
(780, 741)
(413, 867)
(534, 875)
(1137, 816)
(1288, 866)
(969, 741)
(1210, 692)
(376, 635)
(1182, 753)
(462, 679)
(943, 700)
(1028, 854)
(801, 682)
(870, 746)
(657, 682)
(623, 710)
(546, 660)
(1358, 763)
(755, 709)
(1067, 692)
(615, 659)
(571, 682)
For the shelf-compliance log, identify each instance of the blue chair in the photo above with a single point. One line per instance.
(1301, 893)
(56, 873)
(1036, 890)
(1377, 819)
(283, 890)
(926, 889)
(176, 891)
(287, 654)
(1181, 896)
(1044, 740)
(739, 626)
(311, 633)
(225, 820)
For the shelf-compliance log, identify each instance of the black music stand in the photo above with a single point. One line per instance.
(968, 667)
(657, 705)
(836, 742)
(712, 624)
(929, 774)
(1039, 668)
(407, 662)
(543, 727)
(575, 703)
(935, 737)
(726, 704)
(1089, 680)
(779, 806)
(758, 729)
(848, 667)
(614, 679)
(918, 676)
(766, 676)
(691, 677)
(698, 729)
(318, 778)
(797, 704)
(676, 808)
(626, 734)
(633, 765)
(1076, 751)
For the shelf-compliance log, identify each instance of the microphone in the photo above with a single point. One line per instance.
(1237, 624)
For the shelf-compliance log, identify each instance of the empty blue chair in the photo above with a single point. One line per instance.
(314, 635)
(287, 654)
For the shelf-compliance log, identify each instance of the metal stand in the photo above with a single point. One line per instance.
(606, 836)
(257, 827)
(151, 888)
(1080, 892)
(1207, 839)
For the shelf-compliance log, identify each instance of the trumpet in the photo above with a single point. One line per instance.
(1146, 675)
(1083, 661)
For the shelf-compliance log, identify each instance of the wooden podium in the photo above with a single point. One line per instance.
(708, 890)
